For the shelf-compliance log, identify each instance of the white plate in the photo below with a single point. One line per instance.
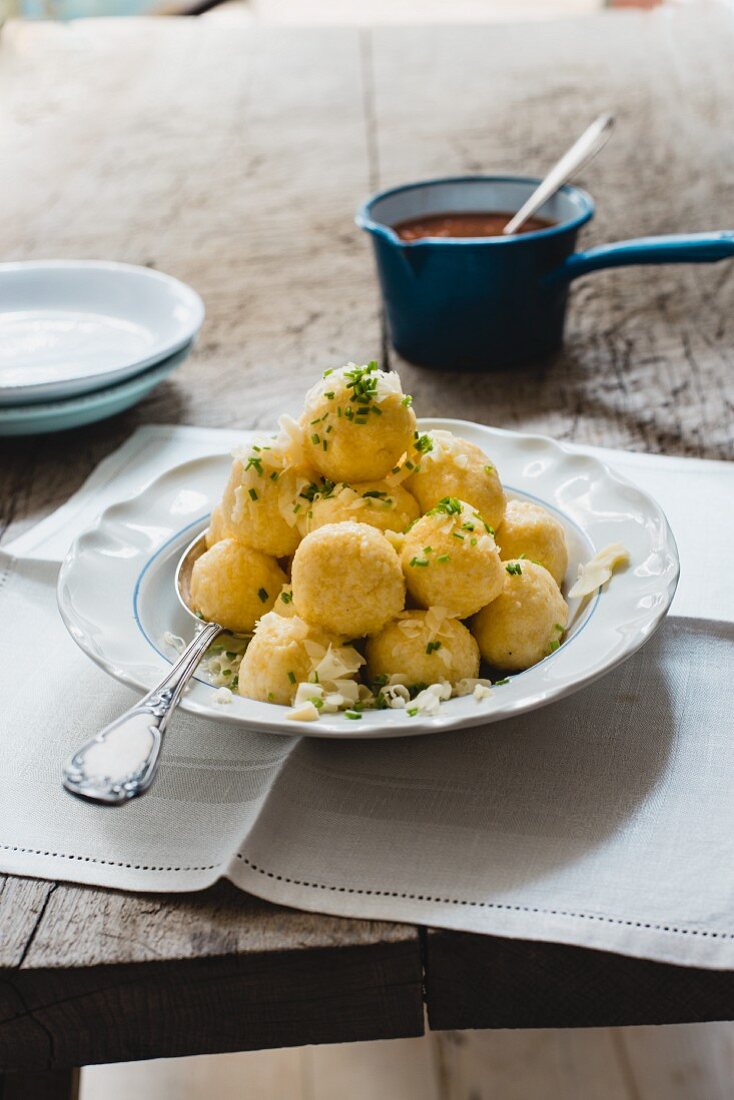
(68, 327)
(117, 599)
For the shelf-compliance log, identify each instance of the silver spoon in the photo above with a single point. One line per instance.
(588, 145)
(121, 761)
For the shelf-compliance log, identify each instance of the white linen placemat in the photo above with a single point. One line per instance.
(605, 820)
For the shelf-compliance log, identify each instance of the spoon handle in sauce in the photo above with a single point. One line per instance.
(121, 761)
(588, 145)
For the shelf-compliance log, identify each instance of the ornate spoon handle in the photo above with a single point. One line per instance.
(121, 761)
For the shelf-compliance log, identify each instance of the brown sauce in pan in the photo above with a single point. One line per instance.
(465, 224)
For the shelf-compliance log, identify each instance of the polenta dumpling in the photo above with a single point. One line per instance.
(447, 466)
(234, 585)
(218, 528)
(423, 647)
(279, 657)
(357, 423)
(526, 622)
(531, 531)
(389, 508)
(261, 499)
(450, 559)
(347, 578)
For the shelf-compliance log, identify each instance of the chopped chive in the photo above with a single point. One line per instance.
(467, 527)
(418, 562)
(409, 464)
(353, 714)
(324, 443)
(448, 506)
(315, 439)
(442, 558)
(360, 420)
(263, 594)
(292, 677)
(489, 469)
(286, 597)
(274, 475)
(407, 400)
(412, 711)
(423, 443)
(559, 628)
(328, 372)
(457, 535)
(254, 461)
(432, 647)
(514, 568)
(427, 549)
(500, 683)
(253, 494)
(271, 697)
(376, 410)
(553, 645)
(329, 395)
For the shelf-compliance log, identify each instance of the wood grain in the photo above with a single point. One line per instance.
(234, 158)
(648, 363)
(206, 972)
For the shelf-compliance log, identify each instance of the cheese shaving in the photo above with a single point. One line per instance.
(396, 696)
(435, 618)
(306, 712)
(599, 569)
(396, 540)
(470, 685)
(429, 700)
(401, 472)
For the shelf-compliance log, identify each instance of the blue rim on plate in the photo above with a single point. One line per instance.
(74, 412)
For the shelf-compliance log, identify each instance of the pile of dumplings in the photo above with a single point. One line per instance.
(375, 565)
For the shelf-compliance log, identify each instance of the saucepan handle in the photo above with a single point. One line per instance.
(690, 248)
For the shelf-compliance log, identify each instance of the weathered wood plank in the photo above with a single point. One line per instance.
(280, 998)
(488, 982)
(203, 973)
(648, 361)
(83, 926)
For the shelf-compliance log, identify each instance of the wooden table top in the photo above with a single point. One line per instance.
(234, 158)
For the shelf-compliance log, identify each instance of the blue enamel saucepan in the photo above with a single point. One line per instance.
(485, 303)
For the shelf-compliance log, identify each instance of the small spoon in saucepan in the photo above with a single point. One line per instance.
(122, 760)
(588, 145)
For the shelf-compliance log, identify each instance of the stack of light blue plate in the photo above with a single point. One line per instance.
(83, 340)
